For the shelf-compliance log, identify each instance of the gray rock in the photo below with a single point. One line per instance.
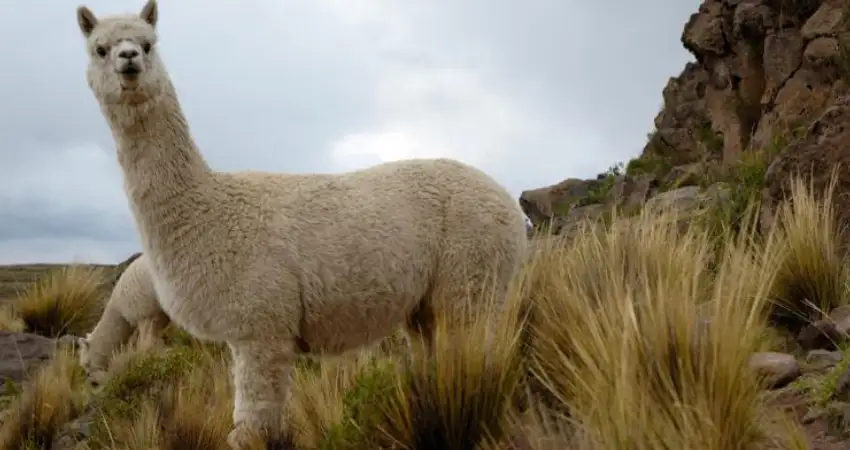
(827, 333)
(22, 352)
(681, 199)
(777, 369)
(823, 358)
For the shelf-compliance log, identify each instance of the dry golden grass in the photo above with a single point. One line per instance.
(813, 277)
(461, 397)
(10, 321)
(633, 335)
(318, 398)
(68, 300)
(50, 399)
(458, 398)
(628, 350)
(193, 412)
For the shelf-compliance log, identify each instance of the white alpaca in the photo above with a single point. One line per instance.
(275, 265)
(133, 304)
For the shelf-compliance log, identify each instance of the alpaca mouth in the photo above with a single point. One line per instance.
(130, 71)
(129, 76)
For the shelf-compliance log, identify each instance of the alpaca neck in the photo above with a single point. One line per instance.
(155, 149)
(111, 332)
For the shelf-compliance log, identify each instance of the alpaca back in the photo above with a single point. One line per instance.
(401, 236)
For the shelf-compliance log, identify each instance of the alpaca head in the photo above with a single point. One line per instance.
(92, 366)
(124, 67)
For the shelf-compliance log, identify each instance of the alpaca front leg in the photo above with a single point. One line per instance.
(261, 377)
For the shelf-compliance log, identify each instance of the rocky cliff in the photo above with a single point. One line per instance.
(766, 95)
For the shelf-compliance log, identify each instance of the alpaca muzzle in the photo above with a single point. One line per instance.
(129, 69)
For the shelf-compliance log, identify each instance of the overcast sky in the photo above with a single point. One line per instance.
(532, 92)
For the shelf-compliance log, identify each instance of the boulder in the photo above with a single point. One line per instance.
(629, 193)
(20, 353)
(541, 204)
(573, 220)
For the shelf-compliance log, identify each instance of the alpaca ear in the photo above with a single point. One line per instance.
(86, 20)
(150, 13)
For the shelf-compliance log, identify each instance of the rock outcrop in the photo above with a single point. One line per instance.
(768, 77)
(763, 68)
(818, 154)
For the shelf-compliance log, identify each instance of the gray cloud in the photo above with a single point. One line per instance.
(28, 221)
(531, 92)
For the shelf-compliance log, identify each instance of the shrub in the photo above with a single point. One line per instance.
(361, 407)
(68, 300)
(743, 181)
(191, 413)
(142, 371)
(812, 278)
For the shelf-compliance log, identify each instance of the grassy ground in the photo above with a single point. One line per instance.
(634, 335)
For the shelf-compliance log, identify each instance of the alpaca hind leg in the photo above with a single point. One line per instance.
(262, 377)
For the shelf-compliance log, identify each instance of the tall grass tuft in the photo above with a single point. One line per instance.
(68, 300)
(460, 396)
(813, 276)
(47, 401)
(646, 334)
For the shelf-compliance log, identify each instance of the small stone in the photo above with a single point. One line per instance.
(841, 317)
(83, 428)
(777, 369)
(823, 358)
(64, 443)
(821, 334)
(812, 415)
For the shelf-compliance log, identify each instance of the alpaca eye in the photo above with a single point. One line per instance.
(101, 51)
(146, 47)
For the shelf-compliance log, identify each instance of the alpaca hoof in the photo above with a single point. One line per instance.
(244, 437)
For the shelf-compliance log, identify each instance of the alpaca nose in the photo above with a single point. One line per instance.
(128, 53)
